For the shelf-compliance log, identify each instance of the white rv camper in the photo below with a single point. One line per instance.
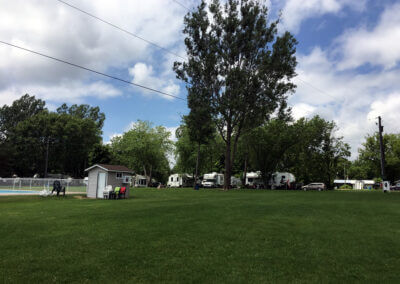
(253, 179)
(213, 180)
(278, 180)
(180, 180)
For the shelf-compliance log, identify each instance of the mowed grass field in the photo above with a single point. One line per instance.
(181, 235)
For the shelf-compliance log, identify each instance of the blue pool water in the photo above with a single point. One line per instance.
(18, 191)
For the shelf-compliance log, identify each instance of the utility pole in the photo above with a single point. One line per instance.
(381, 148)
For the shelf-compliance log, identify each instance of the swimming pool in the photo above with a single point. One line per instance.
(8, 191)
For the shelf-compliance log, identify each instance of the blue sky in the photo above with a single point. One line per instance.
(348, 53)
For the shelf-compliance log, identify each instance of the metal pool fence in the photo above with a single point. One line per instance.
(71, 185)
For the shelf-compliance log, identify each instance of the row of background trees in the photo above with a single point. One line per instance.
(70, 138)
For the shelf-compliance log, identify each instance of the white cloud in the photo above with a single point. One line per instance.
(302, 110)
(144, 74)
(172, 130)
(378, 46)
(70, 92)
(388, 108)
(55, 29)
(296, 11)
(351, 99)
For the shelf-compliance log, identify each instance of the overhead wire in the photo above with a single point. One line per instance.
(163, 48)
(180, 4)
(121, 29)
(91, 70)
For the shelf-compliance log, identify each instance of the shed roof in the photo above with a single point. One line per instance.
(111, 168)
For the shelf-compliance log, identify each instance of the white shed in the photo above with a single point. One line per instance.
(101, 175)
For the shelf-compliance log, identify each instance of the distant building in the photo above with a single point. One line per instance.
(139, 181)
(355, 184)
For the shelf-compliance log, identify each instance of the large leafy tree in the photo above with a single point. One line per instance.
(84, 112)
(10, 116)
(238, 66)
(20, 110)
(145, 149)
(368, 165)
(268, 144)
(34, 140)
(63, 140)
(318, 154)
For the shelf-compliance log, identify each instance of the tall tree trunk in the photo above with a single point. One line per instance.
(197, 165)
(228, 165)
(145, 174)
(150, 175)
(245, 169)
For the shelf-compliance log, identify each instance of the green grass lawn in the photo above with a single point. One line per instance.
(173, 235)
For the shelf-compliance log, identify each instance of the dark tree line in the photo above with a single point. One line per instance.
(35, 140)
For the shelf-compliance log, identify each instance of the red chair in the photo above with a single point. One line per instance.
(122, 192)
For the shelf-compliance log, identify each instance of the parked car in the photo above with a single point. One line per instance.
(314, 186)
(396, 186)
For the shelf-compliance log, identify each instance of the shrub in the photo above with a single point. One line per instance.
(346, 186)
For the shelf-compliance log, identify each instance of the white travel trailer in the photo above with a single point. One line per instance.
(213, 180)
(253, 179)
(278, 179)
(180, 180)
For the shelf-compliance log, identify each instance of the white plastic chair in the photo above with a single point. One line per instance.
(106, 192)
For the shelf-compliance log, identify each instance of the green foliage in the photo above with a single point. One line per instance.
(346, 186)
(211, 153)
(368, 164)
(144, 149)
(318, 153)
(268, 144)
(100, 154)
(84, 112)
(239, 68)
(20, 110)
(69, 140)
(28, 129)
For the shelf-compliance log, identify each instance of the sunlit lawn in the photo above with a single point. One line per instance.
(183, 235)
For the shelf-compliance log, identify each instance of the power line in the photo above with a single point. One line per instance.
(121, 29)
(311, 85)
(180, 4)
(316, 88)
(160, 47)
(91, 70)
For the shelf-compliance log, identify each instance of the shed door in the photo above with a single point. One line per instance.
(101, 184)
